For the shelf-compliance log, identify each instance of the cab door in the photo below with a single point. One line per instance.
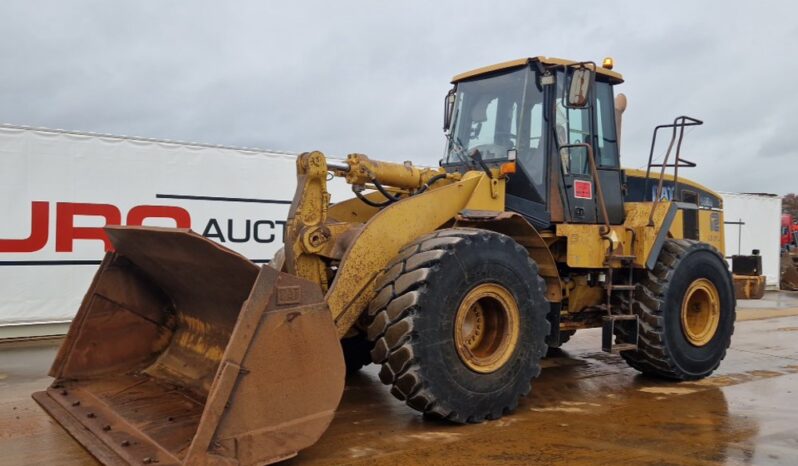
(580, 132)
(573, 134)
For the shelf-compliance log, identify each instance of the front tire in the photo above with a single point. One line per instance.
(459, 324)
(686, 311)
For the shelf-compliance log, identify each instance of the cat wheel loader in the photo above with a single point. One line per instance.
(456, 280)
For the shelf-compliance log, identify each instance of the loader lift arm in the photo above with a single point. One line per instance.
(369, 249)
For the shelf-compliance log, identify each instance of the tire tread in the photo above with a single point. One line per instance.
(395, 308)
(653, 356)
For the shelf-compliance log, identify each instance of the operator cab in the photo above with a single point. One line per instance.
(548, 115)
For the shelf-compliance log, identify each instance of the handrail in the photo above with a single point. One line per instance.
(679, 123)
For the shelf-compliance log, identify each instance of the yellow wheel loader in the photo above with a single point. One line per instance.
(456, 280)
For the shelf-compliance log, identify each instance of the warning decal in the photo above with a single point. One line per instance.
(583, 189)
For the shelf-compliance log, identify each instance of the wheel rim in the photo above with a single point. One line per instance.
(700, 312)
(486, 328)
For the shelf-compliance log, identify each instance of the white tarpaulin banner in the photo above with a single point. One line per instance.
(57, 189)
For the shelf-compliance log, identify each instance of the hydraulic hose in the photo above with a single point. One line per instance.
(390, 197)
(384, 191)
(369, 202)
(431, 182)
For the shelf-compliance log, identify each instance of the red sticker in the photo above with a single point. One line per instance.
(583, 189)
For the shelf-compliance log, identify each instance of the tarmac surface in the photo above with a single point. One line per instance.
(587, 407)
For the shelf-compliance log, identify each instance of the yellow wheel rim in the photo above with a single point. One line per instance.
(486, 328)
(700, 312)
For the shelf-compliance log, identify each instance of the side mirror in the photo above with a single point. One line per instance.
(579, 88)
(448, 109)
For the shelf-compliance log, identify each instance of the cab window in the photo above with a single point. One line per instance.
(573, 127)
(607, 137)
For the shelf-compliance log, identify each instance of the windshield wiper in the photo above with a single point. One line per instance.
(459, 150)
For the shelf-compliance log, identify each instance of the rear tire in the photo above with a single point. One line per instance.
(686, 311)
(437, 320)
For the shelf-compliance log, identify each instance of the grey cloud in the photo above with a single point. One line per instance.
(779, 142)
(370, 76)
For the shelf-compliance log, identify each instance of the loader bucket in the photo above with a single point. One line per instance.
(789, 271)
(184, 352)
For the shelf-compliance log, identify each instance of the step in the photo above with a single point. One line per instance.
(608, 333)
(622, 258)
(624, 347)
(624, 287)
(612, 312)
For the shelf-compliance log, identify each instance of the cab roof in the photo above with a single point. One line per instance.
(611, 76)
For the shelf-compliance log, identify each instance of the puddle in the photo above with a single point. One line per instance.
(579, 403)
(362, 452)
(561, 409)
(668, 390)
(436, 436)
(567, 407)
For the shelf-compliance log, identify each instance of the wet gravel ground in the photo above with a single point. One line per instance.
(587, 407)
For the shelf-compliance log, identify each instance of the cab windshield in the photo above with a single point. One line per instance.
(487, 113)
(498, 114)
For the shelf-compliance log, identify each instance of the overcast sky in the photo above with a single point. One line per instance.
(370, 76)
